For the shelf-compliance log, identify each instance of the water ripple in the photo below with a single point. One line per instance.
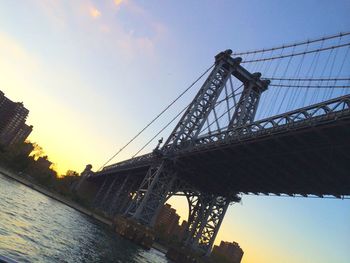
(35, 228)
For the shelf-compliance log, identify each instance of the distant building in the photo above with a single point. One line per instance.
(22, 134)
(232, 252)
(12, 122)
(168, 219)
(182, 229)
(27, 149)
(6, 111)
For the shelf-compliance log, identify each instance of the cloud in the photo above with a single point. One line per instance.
(136, 9)
(54, 10)
(104, 26)
(118, 2)
(130, 39)
(94, 12)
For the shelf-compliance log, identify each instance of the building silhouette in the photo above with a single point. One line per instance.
(168, 229)
(181, 229)
(168, 219)
(168, 223)
(232, 252)
(13, 128)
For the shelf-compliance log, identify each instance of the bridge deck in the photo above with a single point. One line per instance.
(301, 160)
(306, 151)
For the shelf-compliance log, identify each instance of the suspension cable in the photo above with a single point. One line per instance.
(173, 119)
(309, 86)
(157, 117)
(297, 53)
(307, 79)
(261, 58)
(161, 130)
(342, 197)
(227, 111)
(291, 45)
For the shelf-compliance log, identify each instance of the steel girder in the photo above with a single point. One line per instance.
(195, 207)
(123, 196)
(248, 102)
(212, 217)
(310, 115)
(206, 213)
(325, 111)
(197, 112)
(115, 200)
(191, 123)
(115, 194)
(152, 193)
(102, 191)
(108, 195)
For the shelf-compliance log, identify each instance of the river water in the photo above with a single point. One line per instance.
(36, 228)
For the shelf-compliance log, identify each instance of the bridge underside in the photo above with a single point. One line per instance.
(296, 161)
(290, 162)
(309, 157)
(300, 161)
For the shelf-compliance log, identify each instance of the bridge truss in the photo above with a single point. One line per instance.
(223, 134)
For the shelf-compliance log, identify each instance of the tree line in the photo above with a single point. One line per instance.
(28, 160)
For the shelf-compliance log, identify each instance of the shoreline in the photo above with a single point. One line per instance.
(54, 196)
(65, 201)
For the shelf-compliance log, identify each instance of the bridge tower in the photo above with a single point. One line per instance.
(207, 209)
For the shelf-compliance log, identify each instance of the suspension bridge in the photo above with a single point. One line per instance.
(271, 121)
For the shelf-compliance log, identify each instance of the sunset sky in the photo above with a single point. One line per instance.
(94, 73)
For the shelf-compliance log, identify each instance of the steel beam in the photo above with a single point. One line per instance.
(152, 193)
(197, 112)
(195, 206)
(116, 200)
(207, 223)
(248, 103)
(105, 202)
(101, 192)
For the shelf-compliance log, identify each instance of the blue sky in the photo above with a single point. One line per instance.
(93, 73)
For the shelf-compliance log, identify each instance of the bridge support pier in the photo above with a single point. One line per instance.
(123, 196)
(109, 194)
(101, 192)
(206, 214)
(195, 207)
(151, 194)
(212, 218)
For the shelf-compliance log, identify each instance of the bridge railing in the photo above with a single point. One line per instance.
(330, 109)
(139, 160)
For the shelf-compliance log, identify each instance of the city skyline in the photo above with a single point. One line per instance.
(88, 70)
